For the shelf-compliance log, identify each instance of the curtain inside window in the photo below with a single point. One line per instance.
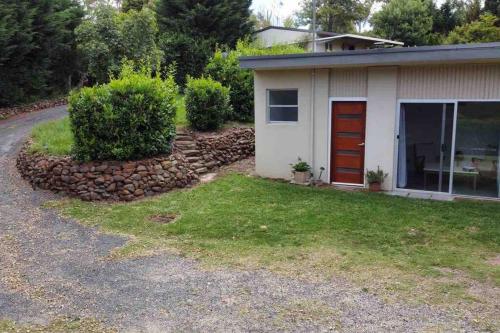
(402, 172)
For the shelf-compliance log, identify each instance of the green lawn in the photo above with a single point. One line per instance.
(385, 243)
(55, 137)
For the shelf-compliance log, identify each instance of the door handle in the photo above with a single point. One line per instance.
(361, 144)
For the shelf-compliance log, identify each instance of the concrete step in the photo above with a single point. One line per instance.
(191, 152)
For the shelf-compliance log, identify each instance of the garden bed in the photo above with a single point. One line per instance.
(131, 180)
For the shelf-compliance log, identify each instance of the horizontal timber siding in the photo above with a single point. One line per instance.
(468, 81)
(349, 82)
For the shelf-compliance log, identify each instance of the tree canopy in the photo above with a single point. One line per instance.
(335, 15)
(409, 21)
(482, 31)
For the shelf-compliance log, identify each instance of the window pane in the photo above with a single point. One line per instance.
(477, 155)
(283, 97)
(283, 113)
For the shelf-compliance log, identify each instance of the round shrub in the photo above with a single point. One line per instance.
(207, 104)
(132, 117)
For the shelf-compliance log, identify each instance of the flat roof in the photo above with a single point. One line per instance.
(352, 36)
(327, 33)
(484, 52)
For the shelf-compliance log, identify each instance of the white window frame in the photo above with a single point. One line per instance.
(269, 106)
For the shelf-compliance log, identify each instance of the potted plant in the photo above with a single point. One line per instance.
(301, 172)
(375, 179)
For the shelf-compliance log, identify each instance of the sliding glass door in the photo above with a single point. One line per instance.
(450, 147)
(477, 154)
(425, 140)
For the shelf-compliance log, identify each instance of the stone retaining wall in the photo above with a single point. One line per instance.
(221, 149)
(130, 180)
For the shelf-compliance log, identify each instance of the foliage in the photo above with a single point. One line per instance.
(131, 117)
(189, 54)
(409, 21)
(107, 37)
(136, 5)
(38, 49)
(224, 67)
(207, 104)
(190, 31)
(492, 6)
(301, 166)
(315, 232)
(451, 14)
(482, 31)
(375, 176)
(334, 15)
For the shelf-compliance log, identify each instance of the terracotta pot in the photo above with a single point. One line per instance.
(301, 177)
(375, 187)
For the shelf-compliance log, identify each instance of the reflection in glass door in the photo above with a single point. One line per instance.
(477, 152)
(425, 143)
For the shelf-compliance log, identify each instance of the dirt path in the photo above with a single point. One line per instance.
(52, 267)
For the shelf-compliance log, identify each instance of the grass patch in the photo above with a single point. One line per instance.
(52, 138)
(62, 325)
(261, 223)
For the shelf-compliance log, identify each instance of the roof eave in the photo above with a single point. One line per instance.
(382, 58)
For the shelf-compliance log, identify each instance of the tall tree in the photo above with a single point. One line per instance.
(191, 30)
(450, 15)
(224, 21)
(492, 6)
(335, 15)
(409, 21)
(134, 5)
(38, 48)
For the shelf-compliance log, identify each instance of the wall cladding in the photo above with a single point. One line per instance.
(348, 82)
(130, 180)
(468, 81)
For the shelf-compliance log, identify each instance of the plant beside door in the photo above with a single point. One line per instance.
(375, 179)
(301, 172)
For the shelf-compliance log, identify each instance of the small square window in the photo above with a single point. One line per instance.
(283, 105)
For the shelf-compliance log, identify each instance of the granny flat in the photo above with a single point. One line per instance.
(427, 116)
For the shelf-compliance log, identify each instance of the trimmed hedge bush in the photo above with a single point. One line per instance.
(207, 104)
(224, 67)
(132, 117)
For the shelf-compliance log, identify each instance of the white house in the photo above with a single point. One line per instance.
(325, 41)
(428, 116)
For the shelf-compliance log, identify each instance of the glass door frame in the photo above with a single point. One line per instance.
(452, 156)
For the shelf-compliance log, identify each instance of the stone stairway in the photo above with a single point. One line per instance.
(185, 143)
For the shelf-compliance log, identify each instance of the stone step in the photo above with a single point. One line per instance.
(197, 165)
(191, 152)
(184, 142)
(201, 170)
(192, 159)
(186, 147)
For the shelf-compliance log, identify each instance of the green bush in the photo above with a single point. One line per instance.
(132, 117)
(207, 104)
(224, 67)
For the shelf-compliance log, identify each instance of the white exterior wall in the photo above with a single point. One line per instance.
(278, 145)
(381, 121)
(272, 37)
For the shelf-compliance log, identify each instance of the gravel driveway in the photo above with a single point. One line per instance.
(52, 267)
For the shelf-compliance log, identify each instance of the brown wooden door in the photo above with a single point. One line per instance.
(348, 142)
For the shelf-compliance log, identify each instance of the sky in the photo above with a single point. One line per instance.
(284, 8)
